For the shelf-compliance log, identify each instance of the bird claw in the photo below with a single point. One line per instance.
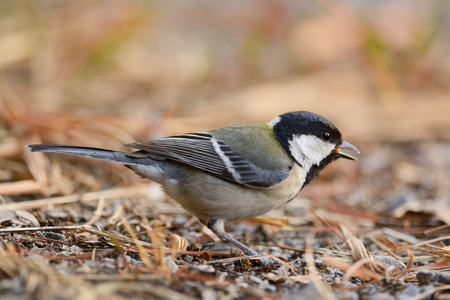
(265, 260)
(216, 225)
(269, 260)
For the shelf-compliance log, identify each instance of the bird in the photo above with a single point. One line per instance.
(234, 172)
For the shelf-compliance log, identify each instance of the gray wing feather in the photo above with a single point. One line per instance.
(198, 151)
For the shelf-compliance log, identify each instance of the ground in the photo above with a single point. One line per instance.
(92, 74)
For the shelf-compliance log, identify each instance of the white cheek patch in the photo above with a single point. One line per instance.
(309, 150)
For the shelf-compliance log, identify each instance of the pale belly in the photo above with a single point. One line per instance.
(206, 196)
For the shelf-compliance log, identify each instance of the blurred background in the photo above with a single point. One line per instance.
(101, 73)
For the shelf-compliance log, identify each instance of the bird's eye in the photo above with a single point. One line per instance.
(325, 135)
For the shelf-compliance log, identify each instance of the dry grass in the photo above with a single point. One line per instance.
(103, 74)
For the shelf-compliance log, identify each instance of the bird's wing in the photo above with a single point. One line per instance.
(203, 151)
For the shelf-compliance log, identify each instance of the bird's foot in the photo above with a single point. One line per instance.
(261, 257)
(266, 260)
(217, 227)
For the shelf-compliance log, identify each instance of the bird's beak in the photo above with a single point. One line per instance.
(346, 146)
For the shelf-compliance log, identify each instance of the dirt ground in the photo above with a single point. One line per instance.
(106, 73)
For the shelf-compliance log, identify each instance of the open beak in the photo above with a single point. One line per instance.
(346, 146)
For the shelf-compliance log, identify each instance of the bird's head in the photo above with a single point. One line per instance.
(310, 140)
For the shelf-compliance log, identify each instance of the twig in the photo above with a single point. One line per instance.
(232, 259)
(440, 253)
(98, 211)
(400, 236)
(429, 292)
(329, 226)
(109, 235)
(437, 228)
(49, 228)
(286, 248)
(384, 248)
(77, 228)
(324, 291)
(432, 241)
(121, 277)
(136, 241)
(88, 197)
(40, 238)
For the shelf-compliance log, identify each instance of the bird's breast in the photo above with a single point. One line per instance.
(207, 196)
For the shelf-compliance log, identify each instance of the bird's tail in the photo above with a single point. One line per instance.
(98, 153)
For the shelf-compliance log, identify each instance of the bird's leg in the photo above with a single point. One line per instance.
(217, 226)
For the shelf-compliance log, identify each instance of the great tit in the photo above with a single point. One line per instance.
(235, 172)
